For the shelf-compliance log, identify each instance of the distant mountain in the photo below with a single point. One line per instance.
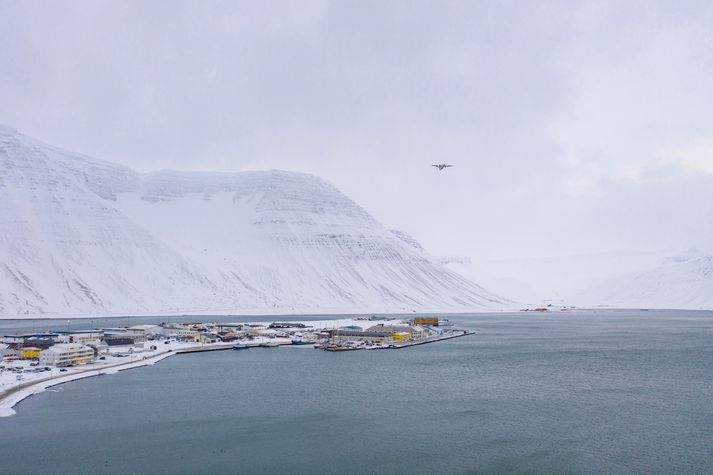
(82, 236)
(623, 278)
(684, 281)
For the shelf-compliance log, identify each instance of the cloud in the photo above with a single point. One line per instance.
(565, 120)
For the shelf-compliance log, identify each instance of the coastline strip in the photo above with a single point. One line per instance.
(13, 396)
(10, 398)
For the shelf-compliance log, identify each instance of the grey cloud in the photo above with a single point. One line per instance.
(555, 113)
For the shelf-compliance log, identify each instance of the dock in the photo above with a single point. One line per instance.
(200, 349)
(398, 346)
(430, 340)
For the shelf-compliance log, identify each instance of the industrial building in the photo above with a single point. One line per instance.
(414, 331)
(432, 321)
(361, 335)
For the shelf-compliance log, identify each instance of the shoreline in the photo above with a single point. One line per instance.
(250, 313)
(337, 313)
(14, 390)
(13, 396)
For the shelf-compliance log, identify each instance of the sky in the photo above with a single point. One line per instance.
(574, 128)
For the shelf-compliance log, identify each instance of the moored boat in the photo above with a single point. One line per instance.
(343, 348)
(303, 342)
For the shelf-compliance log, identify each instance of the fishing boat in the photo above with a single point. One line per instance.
(343, 348)
(303, 342)
(241, 346)
(269, 344)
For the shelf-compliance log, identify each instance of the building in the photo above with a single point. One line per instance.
(30, 353)
(41, 343)
(361, 335)
(6, 353)
(432, 321)
(287, 325)
(145, 330)
(88, 337)
(207, 337)
(229, 327)
(118, 340)
(23, 338)
(65, 354)
(402, 336)
(415, 330)
(179, 332)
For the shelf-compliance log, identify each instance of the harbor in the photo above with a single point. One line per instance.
(33, 362)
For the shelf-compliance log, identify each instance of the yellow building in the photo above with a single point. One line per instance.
(30, 353)
(403, 336)
(433, 321)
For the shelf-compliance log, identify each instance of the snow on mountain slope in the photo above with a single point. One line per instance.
(684, 281)
(65, 248)
(83, 236)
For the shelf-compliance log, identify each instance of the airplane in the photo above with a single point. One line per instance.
(442, 166)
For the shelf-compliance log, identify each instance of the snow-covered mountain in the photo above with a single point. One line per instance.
(82, 236)
(683, 281)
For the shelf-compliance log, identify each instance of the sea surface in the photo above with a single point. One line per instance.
(563, 392)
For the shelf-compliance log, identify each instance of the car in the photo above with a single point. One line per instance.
(62, 370)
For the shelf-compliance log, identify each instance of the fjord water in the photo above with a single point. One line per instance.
(570, 392)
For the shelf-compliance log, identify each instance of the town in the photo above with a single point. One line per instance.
(32, 362)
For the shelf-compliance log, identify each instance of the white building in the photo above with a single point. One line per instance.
(179, 332)
(146, 330)
(65, 354)
(82, 337)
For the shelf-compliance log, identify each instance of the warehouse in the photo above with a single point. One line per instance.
(355, 335)
(414, 331)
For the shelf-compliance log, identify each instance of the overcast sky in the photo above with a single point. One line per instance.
(574, 127)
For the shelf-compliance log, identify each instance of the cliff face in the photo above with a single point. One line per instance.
(84, 236)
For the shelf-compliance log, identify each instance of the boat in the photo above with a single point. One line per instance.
(303, 342)
(343, 348)
(377, 347)
(241, 347)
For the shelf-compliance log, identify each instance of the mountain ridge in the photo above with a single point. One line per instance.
(82, 236)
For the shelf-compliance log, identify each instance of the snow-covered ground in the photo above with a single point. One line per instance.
(9, 380)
